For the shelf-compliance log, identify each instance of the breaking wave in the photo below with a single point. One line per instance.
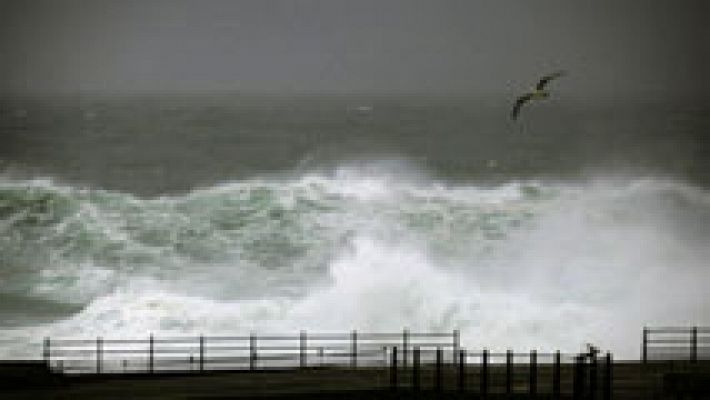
(533, 264)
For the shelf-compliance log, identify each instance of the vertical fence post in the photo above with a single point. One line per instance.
(593, 375)
(405, 344)
(579, 375)
(509, 372)
(484, 374)
(576, 377)
(302, 349)
(556, 376)
(393, 369)
(46, 351)
(99, 345)
(694, 345)
(533, 373)
(151, 352)
(456, 336)
(415, 366)
(437, 379)
(353, 349)
(608, 377)
(462, 370)
(252, 351)
(644, 345)
(202, 353)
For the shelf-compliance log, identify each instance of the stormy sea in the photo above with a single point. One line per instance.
(221, 214)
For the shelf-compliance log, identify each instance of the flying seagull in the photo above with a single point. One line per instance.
(538, 93)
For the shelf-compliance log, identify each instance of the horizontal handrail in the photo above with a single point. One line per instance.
(250, 349)
(666, 343)
(671, 329)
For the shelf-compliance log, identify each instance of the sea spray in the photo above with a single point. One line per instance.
(533, 264)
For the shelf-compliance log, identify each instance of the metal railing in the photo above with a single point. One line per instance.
(675, 343)
(584, 376)
(412, 361)
(253, 351)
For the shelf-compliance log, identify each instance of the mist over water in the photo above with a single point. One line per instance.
(121, 220)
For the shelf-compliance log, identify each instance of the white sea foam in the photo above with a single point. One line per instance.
(522, 265)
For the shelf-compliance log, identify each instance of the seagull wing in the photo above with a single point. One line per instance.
(519, 104)
(547, 78)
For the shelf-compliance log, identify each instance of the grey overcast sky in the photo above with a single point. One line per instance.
(611, 47)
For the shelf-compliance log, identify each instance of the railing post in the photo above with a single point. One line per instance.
(393, 369)
(46, 351)
(593, 375)
(439, 356)
(576, 377)
(644, 345)
(694, 345)
(509, 372)
(556, 376)
(416, 384)
(456, 344)
(484, 374)
(405, 344)
(99, 345)
(608, 377)
(578, 382)
(462, 370)
(533, 373)
(252, 351)
(202, 353)
(353, 349)
(151, 352)
(302, 349)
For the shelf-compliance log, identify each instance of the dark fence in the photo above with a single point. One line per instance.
(675, 343)
(411, 361)
(583, 376)
(253, 351)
